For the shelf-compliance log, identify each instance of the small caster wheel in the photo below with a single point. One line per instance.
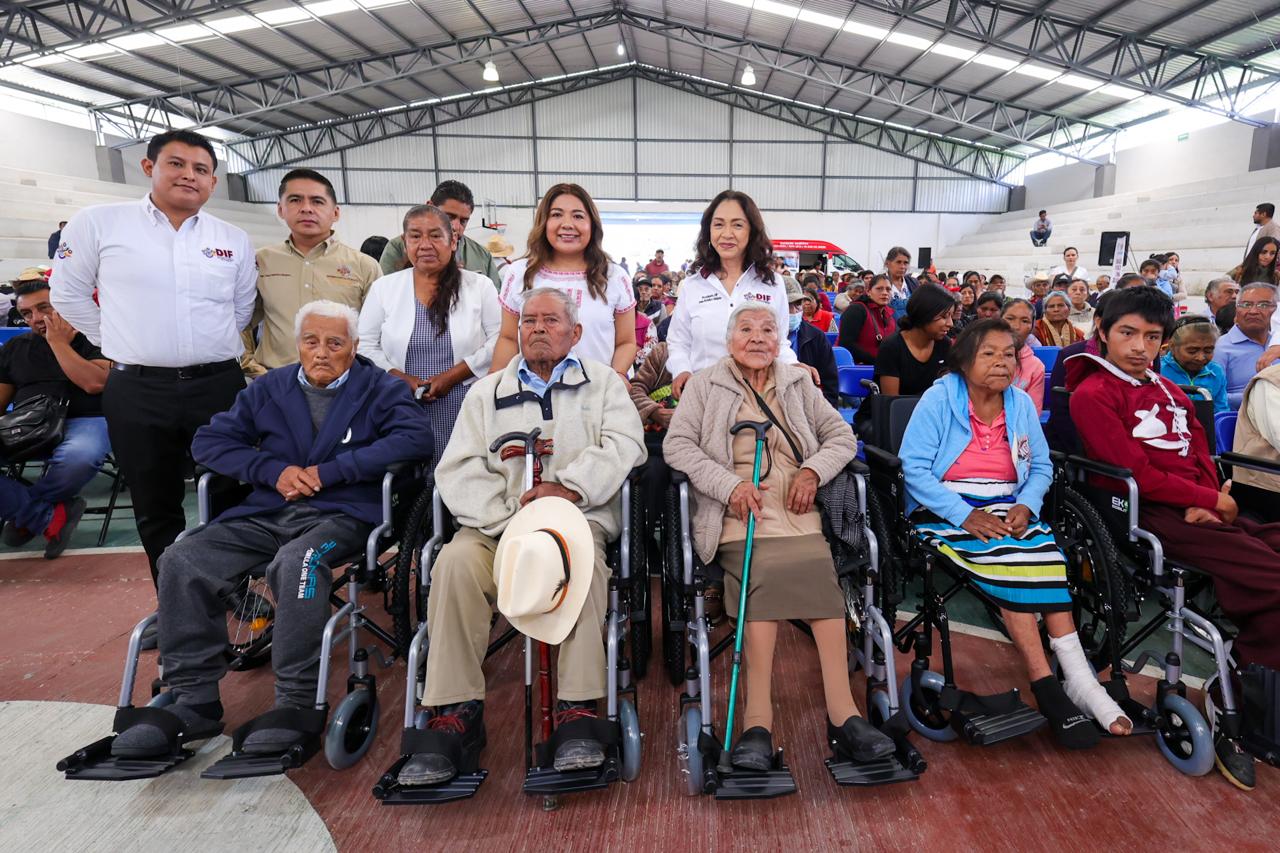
(351, 729)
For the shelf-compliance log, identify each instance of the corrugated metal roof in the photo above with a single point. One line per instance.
(250, 48)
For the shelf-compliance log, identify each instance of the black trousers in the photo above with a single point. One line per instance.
(151, 422)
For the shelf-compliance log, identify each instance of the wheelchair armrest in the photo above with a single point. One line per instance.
(1101, 468)
(1253, 463)
(881, 459)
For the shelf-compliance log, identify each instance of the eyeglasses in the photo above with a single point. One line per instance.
(1261, 306)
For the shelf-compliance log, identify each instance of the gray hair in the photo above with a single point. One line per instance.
(1193, 325)
(743, 308)
(327, 308)
(566, 301)
(427, 210)
(1257, 285)
(1213, 285)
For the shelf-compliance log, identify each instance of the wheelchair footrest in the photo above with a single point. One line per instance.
(244, 765)
(391, 793)
(989, 729)
(749, 785)
(96, 763)
(549, 781)
(884, 771)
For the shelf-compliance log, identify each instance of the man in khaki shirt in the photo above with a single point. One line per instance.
(456, 200)
(311, 264)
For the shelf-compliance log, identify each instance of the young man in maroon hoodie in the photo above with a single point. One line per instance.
(1129, 416)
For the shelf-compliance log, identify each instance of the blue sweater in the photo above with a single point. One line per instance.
(373, 423)
(939, 432)
(1213, 378)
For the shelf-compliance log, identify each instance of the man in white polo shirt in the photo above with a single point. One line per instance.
(176, 286)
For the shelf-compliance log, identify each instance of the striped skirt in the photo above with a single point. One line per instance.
(1027, 573)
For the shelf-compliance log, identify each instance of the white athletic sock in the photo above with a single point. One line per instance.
(1081, 684)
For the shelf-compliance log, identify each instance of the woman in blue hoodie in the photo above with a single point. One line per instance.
(977, 469)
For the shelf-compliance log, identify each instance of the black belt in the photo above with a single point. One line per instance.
(193, 371)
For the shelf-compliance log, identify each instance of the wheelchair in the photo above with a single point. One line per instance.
(1184, 736)
(626, 617)
(353, 724)
(934, 706)
(686, 625)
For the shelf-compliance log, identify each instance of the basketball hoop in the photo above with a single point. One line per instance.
(489, 217)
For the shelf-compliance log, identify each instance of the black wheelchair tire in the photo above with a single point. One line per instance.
(672, 588)
(407, 600)
(1096, 575)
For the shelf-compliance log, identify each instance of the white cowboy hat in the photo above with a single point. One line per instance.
(543, 568)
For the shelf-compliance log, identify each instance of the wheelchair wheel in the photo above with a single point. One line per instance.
(251, 612)
(888, 588)
(689, 756)
(673, 600)
(640, 609)
(933, 724)
(629, 720)
(408, 607)
(1185, 738)
(351, 729)
(1101, 589)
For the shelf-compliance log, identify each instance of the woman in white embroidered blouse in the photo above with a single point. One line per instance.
(565, 251)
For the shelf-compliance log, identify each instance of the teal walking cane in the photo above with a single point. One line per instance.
(759, 428)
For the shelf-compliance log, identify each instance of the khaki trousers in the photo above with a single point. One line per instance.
(459, 611)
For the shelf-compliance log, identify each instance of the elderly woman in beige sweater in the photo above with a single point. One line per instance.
(792, 574)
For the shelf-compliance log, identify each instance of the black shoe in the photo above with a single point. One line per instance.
(577, 753)
(15, 536)
(58, 542)
(858, 740)
(753, 751)
(1234, 763)
(144, 740)
(465, 720)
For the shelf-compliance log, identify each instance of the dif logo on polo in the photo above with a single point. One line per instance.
(224, 254)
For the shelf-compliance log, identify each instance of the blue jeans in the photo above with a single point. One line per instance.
(1039, 238)
(72, 465)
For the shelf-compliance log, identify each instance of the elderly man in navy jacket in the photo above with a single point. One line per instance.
(313, 440)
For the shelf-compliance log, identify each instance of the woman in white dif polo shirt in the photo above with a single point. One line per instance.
(433, 325)
(732, 267)
(566, 252)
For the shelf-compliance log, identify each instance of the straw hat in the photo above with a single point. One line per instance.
(499, 247)
(543, 568)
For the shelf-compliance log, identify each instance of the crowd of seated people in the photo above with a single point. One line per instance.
(441, 350)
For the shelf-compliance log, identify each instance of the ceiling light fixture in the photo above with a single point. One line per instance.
(490, 72)
(622, 51)
(748, 76)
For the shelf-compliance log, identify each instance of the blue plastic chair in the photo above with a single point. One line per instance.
(1224, 430)
(851, 377)
(8, 333)
(832, 337)
(844, 358)
(1048, 355)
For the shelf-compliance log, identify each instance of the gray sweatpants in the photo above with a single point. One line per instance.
(295, 549)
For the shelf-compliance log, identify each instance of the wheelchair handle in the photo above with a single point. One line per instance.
(758, 427)
(525, 438)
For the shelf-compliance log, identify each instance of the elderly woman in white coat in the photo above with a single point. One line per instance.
(433, 325)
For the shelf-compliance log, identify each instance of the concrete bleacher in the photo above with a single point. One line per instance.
(32, 204)
(1206, 222)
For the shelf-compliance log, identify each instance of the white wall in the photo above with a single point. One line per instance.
(1209, 153)
(1072, 182)
(1205, 154)
(864, 236)
(46, 146)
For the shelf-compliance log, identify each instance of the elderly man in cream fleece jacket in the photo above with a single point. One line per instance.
(586, 409)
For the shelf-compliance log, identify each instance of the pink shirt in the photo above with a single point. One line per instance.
(987, 457)
(1030, 376)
